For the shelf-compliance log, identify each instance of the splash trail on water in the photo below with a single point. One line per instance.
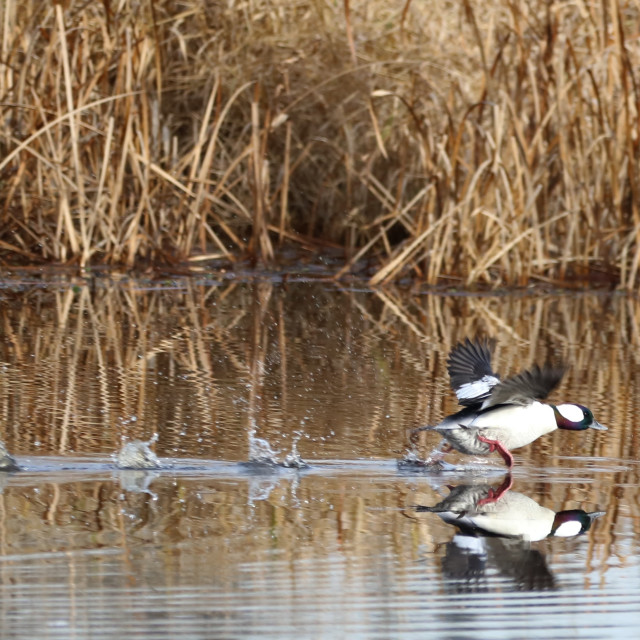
(261, 452)
(137, 455)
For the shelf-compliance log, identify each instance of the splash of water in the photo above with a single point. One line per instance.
(412, 456)
(261, 452)
(260, 489)
(137, 481)
(7, 461)
(137, 455)
(293, 459)
(433, 461)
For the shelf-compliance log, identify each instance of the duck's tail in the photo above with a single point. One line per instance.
(421, 508)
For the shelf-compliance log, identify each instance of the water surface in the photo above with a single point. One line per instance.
(212, 547)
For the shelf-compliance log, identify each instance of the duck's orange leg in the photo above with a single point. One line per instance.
(496, 445)
(494, 496)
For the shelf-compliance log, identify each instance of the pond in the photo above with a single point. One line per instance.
(217, 372)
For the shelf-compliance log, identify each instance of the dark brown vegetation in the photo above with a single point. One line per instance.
(494, 141)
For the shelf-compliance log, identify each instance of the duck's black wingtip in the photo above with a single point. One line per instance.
(535, 383)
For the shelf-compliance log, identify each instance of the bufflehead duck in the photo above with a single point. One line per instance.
(503, 415)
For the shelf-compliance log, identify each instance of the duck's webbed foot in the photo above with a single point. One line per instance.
(496, 445)
(494, 496)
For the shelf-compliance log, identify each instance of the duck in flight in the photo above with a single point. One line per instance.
(500, 415)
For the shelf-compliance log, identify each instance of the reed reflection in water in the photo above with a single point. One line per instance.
(335, 550)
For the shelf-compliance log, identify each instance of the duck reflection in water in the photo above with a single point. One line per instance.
(495, 529)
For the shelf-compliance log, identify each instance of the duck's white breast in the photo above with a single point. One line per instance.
(516, 426)
(516, 515)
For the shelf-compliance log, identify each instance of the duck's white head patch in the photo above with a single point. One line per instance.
(571, 412)
(569, 528)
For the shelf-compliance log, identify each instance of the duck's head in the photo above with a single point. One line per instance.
(576, 417)
(573, 522)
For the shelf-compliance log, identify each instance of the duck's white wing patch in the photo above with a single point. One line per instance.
(471, 544)
(571, 412)
(476, 390)
(569, 528)
(469, 366)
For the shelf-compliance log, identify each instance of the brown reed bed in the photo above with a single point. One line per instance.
(491, 142)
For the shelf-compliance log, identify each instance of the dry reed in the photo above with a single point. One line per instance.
(492, 142)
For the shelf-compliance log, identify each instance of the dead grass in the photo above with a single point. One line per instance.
(491, 141)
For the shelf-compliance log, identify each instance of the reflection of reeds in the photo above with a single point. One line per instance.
(202, 363)
(203, 529)
(488, 141)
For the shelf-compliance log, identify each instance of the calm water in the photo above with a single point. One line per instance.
(213, 547)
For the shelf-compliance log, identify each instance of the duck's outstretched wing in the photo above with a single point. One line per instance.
(523, 388)
(469, 366)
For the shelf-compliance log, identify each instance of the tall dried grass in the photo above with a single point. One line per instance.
(492, 141)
